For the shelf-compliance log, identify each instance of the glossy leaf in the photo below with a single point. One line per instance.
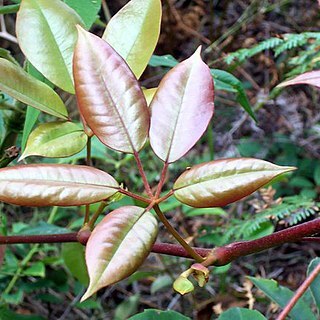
(109, 97)
(134, 31)
(312, 78)
(87, 10)
(118, 245)
(223, 80)
(220, 182)
(46, 31)
(282, 296)
(154, 314)
(241, 314)
(73, 257)
(181, 108)
(55, 185)
(182, 285)
(315, 285)
(20, 85)
(55, 139)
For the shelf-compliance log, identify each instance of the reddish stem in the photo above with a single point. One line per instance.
(302, 289)
(143, 175)
(162, 179)
(218, 256)
(134, 196)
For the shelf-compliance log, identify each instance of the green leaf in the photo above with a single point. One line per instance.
(118, 246)
(315, 285)
(282, 296)
(182, 285)
(241, 314)
(134, 31)
(55, 140)
(73, 257)
(230, 80)
(46, 31)
(163, 61)
(126, 308)
(20, 85)
(220, 182)
(149, 94)
(87, 9)
(55, 185)
(181, 108)
(191, 212)
(109, 96)
(38, 269)
(154, 314)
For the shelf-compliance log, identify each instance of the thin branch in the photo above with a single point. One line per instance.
(143, 175)
(176, 235)
(162, 179)
(302, 289)
(134, 196)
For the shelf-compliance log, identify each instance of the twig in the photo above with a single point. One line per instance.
(302, 289)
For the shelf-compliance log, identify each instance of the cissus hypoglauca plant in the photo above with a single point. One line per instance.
(113, 107)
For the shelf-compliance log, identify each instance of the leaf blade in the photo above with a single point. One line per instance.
(312, 78)
(134, 31)
(20, 85)
(116, 111)
(49, 140)
(55, 185)
(181, 108)
(125, 232)
(46, 33)
(220, 182)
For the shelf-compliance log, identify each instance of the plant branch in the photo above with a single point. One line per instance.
(302, 289)
(162, 179)
(96, 215)
(134, 195)
(176, 235)
(143, 175)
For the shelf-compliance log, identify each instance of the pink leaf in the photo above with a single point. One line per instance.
(312, 78)
(109, 97)
(181, 108)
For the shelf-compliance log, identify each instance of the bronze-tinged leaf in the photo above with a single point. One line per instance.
(55, 185)
(181, 108)
(118, 246)
(134, 31)
(220, 182)
(109, 97)
(46, 32)
(312, 78)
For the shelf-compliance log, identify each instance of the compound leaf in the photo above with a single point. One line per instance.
(181, 108)
(134, 31)
(109, 97)
(118, 246)
(46, 32)
(20, 85)
(55, 185)
(55, 139)
(220, 182)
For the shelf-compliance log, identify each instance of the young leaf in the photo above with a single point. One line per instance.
(282, 296)
(181, 108)
(118, 245)
(46, 31)
(312, 78)
(220, 182)
(55, 139)
(109, 97)
(20, 85)
(55, 185)
(315, 285)
(134, 31)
